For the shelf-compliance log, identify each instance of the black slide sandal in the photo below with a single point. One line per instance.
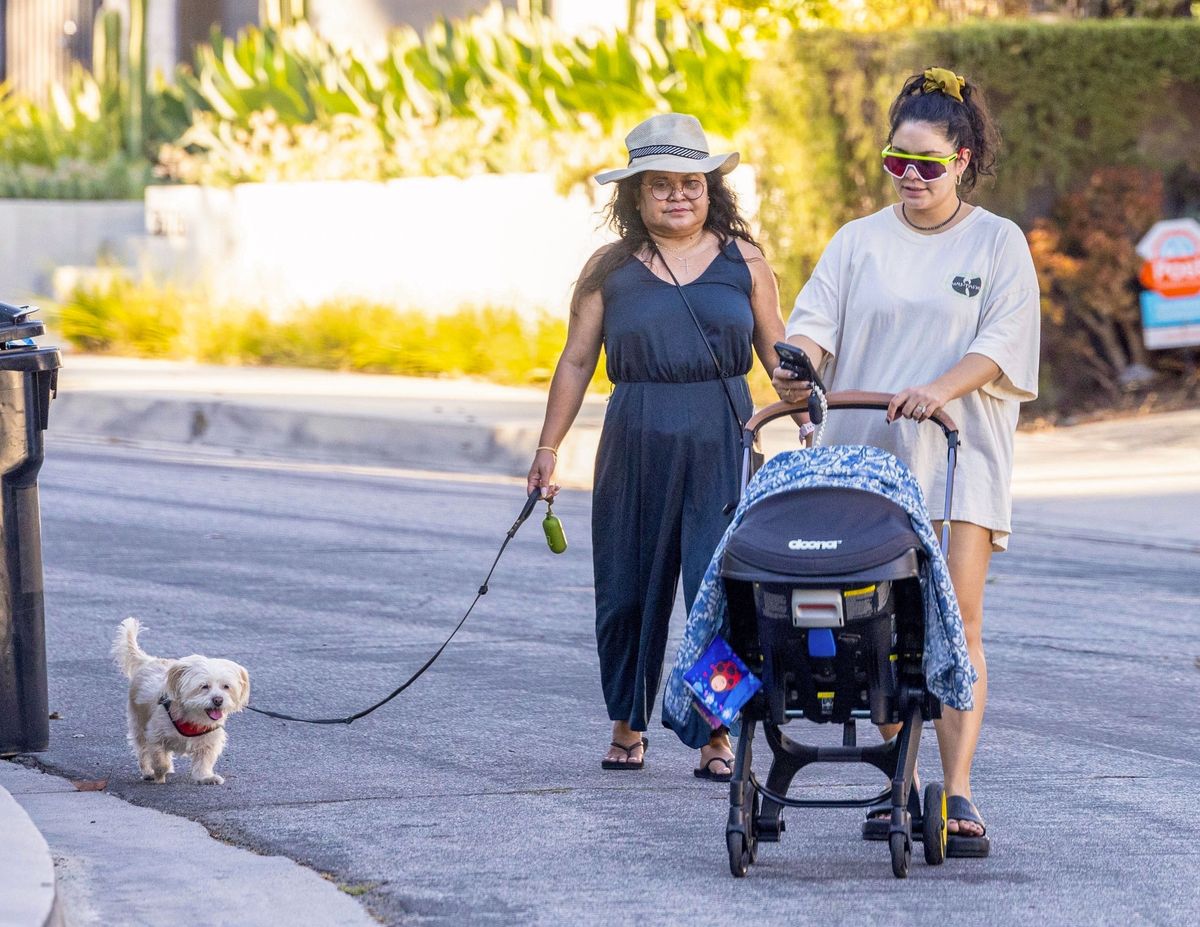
(960, 846)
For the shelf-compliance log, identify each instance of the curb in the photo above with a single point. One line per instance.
(498, 448)
(27, 882)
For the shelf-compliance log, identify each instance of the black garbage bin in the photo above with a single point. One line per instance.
(28, 378)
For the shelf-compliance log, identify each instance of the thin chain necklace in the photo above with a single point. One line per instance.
(677, 254)
(930, 228)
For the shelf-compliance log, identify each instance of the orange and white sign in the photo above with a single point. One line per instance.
(1171, 276)
(1172, 252)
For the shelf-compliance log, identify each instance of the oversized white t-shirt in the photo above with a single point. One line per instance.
(896, 309)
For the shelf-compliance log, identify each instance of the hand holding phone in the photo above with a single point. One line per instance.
(793, 359)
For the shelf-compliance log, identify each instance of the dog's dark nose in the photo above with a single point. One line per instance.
(218, 699)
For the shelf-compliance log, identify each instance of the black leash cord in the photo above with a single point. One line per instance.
(483, 590)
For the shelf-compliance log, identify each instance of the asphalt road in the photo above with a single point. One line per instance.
(477, 796)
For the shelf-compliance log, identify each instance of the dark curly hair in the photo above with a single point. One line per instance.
(723, 220)
(968, 124)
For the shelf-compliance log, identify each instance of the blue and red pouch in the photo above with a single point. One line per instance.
(721, 683)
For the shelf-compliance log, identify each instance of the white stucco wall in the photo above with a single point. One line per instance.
(434, 244)
(36, 236)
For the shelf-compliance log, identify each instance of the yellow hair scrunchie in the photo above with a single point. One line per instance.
(944, 80)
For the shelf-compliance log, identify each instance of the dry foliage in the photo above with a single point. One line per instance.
(1086, 259)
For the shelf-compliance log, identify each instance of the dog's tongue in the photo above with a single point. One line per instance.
(214, 713)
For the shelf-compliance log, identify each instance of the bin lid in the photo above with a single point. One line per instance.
(17, 348)
(30, 359)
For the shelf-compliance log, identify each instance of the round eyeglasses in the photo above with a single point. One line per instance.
(661, 189)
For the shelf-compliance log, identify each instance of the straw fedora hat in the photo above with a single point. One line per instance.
(669, 142)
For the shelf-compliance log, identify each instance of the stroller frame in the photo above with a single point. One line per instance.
(755, 812)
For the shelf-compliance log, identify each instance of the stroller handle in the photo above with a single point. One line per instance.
(854, 399)
(844, 399)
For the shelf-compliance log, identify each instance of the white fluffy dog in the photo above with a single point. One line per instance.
(178, 706)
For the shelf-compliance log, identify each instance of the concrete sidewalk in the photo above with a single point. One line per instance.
(27, 883)
(430, 425)
(155, 868)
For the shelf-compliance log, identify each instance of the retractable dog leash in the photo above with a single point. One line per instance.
(557, 543)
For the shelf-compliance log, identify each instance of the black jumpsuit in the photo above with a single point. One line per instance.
(667, 463)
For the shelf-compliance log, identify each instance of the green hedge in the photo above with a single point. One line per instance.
(1069, 97)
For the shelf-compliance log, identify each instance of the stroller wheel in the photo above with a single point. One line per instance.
(901, 848)
(739, 854)
(935, 824)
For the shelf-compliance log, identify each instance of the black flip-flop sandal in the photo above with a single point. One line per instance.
(706, 772)
(877, 828)
(627, 764)
(960, 808)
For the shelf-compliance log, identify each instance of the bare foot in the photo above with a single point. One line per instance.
(716, 758)
(631, 749)
(633, 753)
(964, 828)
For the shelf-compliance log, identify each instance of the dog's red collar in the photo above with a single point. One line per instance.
(185, 728)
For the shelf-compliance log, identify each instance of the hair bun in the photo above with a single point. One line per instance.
(944, 80)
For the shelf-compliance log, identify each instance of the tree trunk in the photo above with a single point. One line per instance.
(1105, 336)
(1132, 329)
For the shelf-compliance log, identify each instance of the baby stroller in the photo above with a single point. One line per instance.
(835, 631)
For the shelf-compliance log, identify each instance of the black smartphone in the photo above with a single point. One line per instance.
(795, 360)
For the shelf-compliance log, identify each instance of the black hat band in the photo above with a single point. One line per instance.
(692, 153)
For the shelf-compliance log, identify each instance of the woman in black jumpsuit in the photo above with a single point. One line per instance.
(669, 452)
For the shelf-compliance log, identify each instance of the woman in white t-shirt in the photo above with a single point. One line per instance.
(936, 301)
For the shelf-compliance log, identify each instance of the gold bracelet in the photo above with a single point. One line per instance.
(545, 447)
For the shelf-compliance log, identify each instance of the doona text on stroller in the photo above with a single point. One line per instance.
(827, 606)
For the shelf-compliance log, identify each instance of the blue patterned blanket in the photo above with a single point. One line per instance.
(948, 669)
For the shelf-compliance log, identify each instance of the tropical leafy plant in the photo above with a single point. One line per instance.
(772, 19)
(71, 149)
(497, 91)
(96, 138)
(500, 91)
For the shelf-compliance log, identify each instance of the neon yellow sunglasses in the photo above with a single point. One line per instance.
(928, 167)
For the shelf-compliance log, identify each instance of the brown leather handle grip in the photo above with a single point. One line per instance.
(844, 399)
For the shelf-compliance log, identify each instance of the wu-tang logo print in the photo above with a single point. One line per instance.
(968, 286)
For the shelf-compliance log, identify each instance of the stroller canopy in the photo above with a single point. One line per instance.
(820, 533)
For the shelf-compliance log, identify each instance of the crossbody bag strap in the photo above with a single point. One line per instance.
(703, 337)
